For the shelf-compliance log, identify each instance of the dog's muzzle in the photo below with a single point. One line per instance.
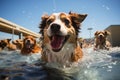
(28, 44)
(101, 37)
(57, 39)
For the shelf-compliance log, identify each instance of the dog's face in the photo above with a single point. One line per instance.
(59, 29)
(29, 42)
(101, 35)
(4, 43)
(18, 41)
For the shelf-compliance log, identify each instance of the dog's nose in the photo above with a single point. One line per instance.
(55, 27)
(28, 41)
(101, 36)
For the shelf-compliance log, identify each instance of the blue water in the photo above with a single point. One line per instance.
(95, 65)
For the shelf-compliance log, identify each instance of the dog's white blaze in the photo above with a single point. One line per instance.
(59, 22)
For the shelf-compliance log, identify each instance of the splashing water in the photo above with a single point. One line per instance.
(8, 58)
(95, 65)
(101, 65)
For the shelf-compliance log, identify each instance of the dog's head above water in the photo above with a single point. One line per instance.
(101, 41)
(101, 35)
(60, 28)
(60, 32)
(4, 43)
(29, 42)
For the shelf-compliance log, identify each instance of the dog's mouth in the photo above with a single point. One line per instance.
(101, 37)
(57, 42)
(28, 45)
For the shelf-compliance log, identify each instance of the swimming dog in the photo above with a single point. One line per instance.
(30, 46)
(18, 43)
(101, 41)
(60, 33)
(6, 44)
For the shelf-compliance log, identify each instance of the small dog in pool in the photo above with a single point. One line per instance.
(6, 44)
(101, 41)
(18, 43)
(30, 46)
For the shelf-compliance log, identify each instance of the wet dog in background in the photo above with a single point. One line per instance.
(30, 46)
(18, 43)
(1, 48)
(6, 44)
(101, 41)
(60, 33)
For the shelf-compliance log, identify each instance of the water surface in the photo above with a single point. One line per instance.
(95, 65)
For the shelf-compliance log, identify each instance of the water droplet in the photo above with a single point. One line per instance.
(114, 63)
(109, 66)
(85, 72)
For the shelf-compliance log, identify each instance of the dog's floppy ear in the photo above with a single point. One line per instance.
(8, 40)
(77, 18)
(43, 23)
(45, 17)
(35, 40)
(24, 38)
(96, 33)
(35, 43)
(107, 32)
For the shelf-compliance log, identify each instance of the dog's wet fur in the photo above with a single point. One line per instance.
(60, 33)
(101, 41)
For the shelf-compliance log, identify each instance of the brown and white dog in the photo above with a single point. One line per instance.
(6, 44)
(101, 41)
(60, 33)
(30, 46)
(18, 43)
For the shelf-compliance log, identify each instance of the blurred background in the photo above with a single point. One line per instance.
(27, 13)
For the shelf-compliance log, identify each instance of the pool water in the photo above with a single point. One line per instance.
(95, 65)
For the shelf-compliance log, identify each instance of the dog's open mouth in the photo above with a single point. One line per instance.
(29, 45)
(57, 42)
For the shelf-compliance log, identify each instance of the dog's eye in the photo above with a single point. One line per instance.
(49, 21)
(66, 21)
